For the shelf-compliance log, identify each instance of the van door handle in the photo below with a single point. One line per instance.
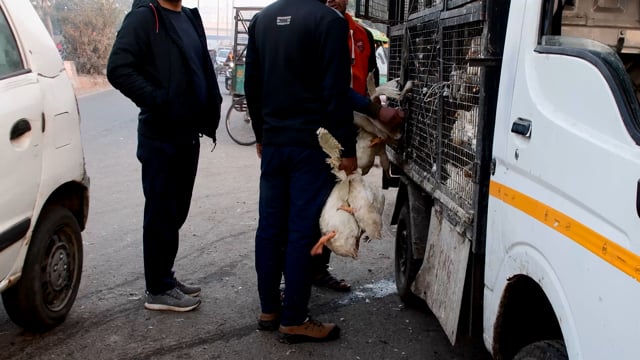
(20, 128)
(522, 127)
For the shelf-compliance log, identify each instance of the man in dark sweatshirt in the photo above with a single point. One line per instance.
(160, 61)
(297, 80)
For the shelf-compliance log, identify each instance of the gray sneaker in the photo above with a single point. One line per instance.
(172, 300)
(190, 290)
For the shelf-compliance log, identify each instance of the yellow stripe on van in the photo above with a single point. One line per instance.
(623, 259)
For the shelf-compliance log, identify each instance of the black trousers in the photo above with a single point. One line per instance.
(294, 186)
(168, 175)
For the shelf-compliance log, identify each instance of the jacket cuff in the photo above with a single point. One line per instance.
(373, 109)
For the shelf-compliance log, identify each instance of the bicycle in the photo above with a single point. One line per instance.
(238, 123)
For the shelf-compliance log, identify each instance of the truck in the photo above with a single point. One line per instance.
(517, 211)
(44, 186)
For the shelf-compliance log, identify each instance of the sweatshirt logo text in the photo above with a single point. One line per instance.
(283, 20)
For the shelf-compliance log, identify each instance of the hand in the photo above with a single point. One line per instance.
(259, 150)
(349, 165)
(391, 117)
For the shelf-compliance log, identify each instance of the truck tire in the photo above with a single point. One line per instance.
(51, 273)
(406, 267)
(543, 350)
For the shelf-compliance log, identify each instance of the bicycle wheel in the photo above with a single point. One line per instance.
(239, 123)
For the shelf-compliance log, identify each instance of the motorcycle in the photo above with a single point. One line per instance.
(228, 76)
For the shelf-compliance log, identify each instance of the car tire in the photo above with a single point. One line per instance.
(543, 350)
(51, 273)
(406, 267)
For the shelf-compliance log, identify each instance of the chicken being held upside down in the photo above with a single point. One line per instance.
(374, 135)
(352, 208)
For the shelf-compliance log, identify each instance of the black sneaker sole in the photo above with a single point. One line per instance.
(298, 338)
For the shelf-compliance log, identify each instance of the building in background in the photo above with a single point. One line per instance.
(217, 16)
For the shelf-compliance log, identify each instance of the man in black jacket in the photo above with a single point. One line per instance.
(363, 62)
(297, 79)
(160, 61)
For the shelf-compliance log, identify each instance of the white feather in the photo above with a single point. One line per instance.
(331, 147)
(464, 129)
(367, 203)
(345, 243)
(459, 181)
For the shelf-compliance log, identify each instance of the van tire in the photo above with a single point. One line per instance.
(406, 267)
(51, 273)
(543, 350)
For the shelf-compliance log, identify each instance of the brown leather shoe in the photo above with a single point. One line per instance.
(309, 331)
(268, 322)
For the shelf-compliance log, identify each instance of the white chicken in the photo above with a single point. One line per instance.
(459, 181)
(368, 146)
(464, 129)
(372, 134)
(464, 83)
(353, 207)
(456, 79)
(475, 47)
(391, 89)
(340, 231)
(367, 203)
(364, 150)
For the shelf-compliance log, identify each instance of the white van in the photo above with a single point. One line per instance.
(518, 207)
(44, 188)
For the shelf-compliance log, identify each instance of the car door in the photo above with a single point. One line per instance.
(21, 128)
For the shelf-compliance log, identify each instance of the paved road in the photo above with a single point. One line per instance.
(108, 320)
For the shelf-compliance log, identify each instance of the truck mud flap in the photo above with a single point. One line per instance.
(441, 279)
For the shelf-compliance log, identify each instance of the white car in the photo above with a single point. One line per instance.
(221, 55)
(44, 188)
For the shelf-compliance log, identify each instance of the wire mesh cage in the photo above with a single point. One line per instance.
(423, 66)
(440, 137)
(417, 6)
(451, 4)
(395, 55)
(460, 44)
(373, 10)
(436, 48)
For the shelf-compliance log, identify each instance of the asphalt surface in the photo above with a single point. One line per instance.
(108, 320)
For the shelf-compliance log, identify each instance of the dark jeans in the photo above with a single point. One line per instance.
(320, 263)
(294, 185)
(168, 175)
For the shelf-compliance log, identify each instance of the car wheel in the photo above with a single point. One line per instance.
(543, 350)
(406, 267)
(51, 273)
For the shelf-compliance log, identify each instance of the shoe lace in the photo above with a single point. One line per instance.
(311, 323)
(175, 293)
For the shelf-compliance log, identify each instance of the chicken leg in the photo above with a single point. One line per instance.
(317, 248)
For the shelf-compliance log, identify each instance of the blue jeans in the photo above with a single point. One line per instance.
(294, 185)
(168, 176)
